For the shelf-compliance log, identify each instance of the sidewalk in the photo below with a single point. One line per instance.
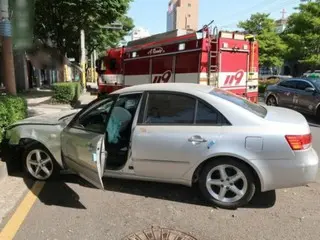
(40, 106)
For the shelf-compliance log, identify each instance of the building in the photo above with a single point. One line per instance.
(183, 14)
(138, 33)
(281, 25)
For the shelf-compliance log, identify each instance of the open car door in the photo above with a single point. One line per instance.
(98, 156)
(85, 155)
(82, 142)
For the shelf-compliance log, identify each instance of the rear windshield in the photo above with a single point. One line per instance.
(242, 102)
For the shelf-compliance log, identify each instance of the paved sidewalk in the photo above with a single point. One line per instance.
(12, 190)
(40, 106)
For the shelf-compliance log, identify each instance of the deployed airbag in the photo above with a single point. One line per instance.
(119, 120)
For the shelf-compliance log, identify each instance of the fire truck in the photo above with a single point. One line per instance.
(227, 60)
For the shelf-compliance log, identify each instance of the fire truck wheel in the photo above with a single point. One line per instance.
(227, 183)
(272, 101)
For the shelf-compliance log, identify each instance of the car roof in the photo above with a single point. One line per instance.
(176, 87)
(296, 79)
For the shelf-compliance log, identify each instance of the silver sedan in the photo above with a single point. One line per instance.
(177, 133)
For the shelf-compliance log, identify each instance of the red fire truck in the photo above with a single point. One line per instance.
(227, 60)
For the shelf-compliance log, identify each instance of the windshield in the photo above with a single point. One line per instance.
(242, 102)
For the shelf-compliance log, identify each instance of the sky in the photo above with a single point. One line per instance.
(152, 14)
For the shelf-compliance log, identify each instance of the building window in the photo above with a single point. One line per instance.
(189, 15)
(189, 4)
(188, 26)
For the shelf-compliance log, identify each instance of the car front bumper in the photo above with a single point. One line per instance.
(276, 174)
(11, 154)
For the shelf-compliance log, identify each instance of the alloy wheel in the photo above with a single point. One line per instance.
(226, 183)
(39, 164)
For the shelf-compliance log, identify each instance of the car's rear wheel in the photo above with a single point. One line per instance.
(39, 163)
(272, 101)
(227, 183)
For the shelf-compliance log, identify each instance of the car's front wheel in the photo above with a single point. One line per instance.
(227, 183)
(39, 162)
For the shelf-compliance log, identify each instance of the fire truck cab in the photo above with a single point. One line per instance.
(228, 60)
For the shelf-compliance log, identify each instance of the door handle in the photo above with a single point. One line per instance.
(196, 139)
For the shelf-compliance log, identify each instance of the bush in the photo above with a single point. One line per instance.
(263, 84)
(67, 92)
(12, 109)
(79, 90)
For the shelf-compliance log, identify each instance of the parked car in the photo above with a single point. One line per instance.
(302, 95)
(315, 73)
(176, 133)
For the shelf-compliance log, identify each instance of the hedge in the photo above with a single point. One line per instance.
(12, 109)
(66, 92)
(263, 84)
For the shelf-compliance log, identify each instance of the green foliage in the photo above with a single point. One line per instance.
(12, 109)
(62, 20)
(271, 46)
(302, 34)
(66, 92)
(263, 84)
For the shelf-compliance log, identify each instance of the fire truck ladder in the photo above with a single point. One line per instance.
(213, 58)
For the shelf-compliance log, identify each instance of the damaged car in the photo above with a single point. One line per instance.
(177, 133)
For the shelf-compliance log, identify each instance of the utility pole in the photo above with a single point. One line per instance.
(283, 12)
(94, 65)
(83, 59)
(7, 53)
(91, 67)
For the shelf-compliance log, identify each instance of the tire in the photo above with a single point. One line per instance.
(31, 162)
(229, 199)
(271, 101)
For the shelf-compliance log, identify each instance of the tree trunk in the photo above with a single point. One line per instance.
(8, 66)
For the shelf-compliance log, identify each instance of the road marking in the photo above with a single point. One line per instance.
(13, 225)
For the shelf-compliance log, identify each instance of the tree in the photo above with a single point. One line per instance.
(271, 46)
(302, 34)
(60, 21)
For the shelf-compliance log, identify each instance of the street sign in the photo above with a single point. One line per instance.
(22, 22)
(72, 59)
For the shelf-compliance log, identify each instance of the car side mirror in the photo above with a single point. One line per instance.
(310, 89)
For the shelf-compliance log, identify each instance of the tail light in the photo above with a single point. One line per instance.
(299, 142)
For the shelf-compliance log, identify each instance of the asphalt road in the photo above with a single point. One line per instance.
(70, 208)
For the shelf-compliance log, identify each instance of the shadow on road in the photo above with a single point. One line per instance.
(177, 193)
(55, 192)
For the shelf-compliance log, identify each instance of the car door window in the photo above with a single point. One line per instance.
(170, 108)
(302, 85)
(288, 84)
(206, 114)
(95, 118)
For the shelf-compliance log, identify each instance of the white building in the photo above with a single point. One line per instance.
(138, 33)
(281, 25)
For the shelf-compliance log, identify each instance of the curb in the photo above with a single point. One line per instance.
(3, 170)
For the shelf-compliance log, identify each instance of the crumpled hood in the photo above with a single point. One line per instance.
(47, 119)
